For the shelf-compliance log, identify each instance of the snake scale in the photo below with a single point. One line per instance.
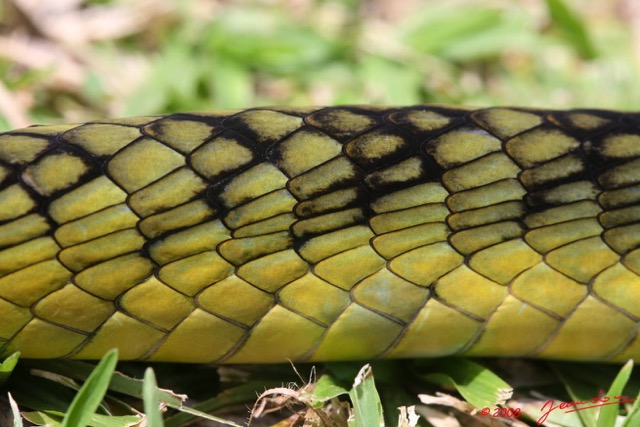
(317, 234)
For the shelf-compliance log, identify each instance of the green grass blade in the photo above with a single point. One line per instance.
(54, 419)
(7, 366)
(326, 389)
(609, 413)
(41, 418)
(578, 391)
(88, 399)
(151, 401)
(572, 27)
(367, 407)
(119, 383)
(477, 384)
(633, 417)
(206, 416)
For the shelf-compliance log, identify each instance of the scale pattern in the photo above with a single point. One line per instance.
(323, 234)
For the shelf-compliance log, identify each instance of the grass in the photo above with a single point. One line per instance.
(118, 58)
(464, 392)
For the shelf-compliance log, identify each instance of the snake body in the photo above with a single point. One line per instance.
(315, 234)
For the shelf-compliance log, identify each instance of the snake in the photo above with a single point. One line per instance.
(277, 234)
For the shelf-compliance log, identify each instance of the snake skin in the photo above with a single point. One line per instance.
(323, 234)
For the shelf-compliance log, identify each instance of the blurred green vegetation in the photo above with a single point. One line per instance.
(81, 60)
(74, 60)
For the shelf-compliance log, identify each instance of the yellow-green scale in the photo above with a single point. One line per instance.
(276, 234)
